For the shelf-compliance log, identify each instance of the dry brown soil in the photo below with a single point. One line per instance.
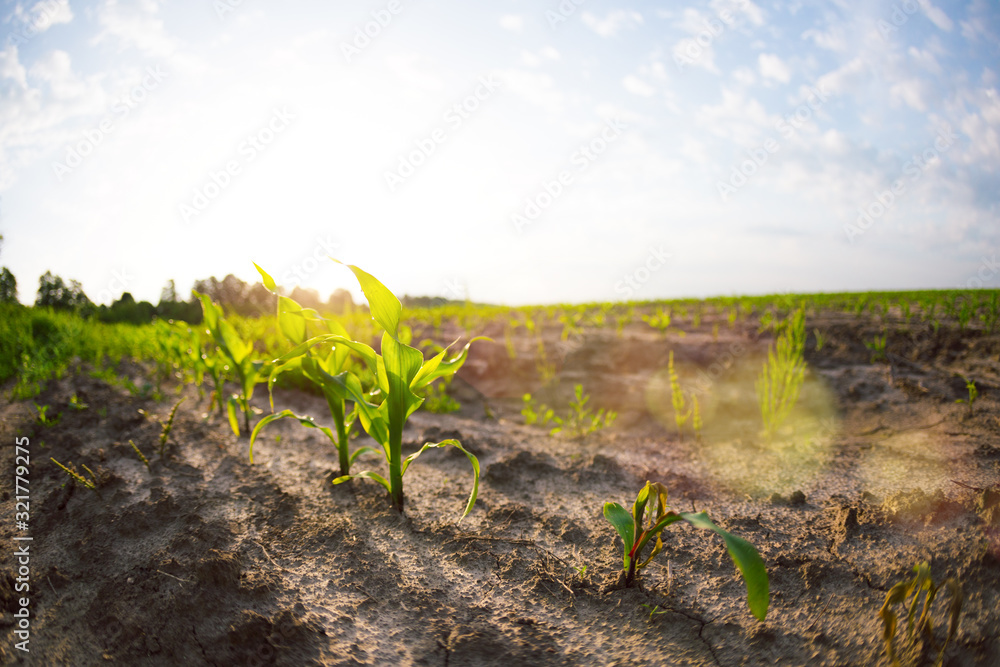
(208, 560)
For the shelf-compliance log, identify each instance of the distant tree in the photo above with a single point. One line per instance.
(53, 292)
(340, 302)
(306, 297)
(169, 293)
(235, 296)
(8, 287)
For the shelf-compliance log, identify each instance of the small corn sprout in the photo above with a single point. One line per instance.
(636, 532)
(970, 386)
(780, 380)
(93, 483)
(400, 372)
(924, 626)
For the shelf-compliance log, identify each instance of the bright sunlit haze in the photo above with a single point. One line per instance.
(513, 152)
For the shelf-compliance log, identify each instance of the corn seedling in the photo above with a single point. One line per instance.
(43, 416)
(76, 404)
(696, 417)
(780, 380)
(400, 372)
(636, 532)
(923, 626)
(681, 411)
(970, 386)
(579, 422)
(820, 339)
(91, 483)
(237, 353)
(321, 365)
(877, 348)
(654, 610)
(541, 415)
(138, 452)
(546, 369)
(166, 426)
(660, 320)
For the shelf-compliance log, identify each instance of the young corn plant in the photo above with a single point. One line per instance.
(541, 414)
(636, 532)
(970, 386)
(580, 422)
(321, 365)
(400, 372)
(166, 426)
(923, 626)
(237, 354)
(681, 411)
(780, 381)
(877, 348)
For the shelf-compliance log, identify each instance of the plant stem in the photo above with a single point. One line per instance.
(395, 463)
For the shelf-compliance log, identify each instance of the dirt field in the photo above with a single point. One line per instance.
(208, 560)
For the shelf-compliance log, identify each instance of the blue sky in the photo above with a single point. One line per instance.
(518, 152)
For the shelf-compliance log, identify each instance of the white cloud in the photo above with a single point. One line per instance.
(136, 27)
(773, 67)
(846, 78)
(549, 52)
(11, 67)
(41, 16)
(936, 15)
(512, 22)
(613, 22)
(637, 86)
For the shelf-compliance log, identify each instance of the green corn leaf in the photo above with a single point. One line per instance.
(472, 459)
(435, 367)
(623, 522)
(234, 422)
(401, 364)
(290, 320)
(362, 450)
(305, 420)
(266, 278)
(367, 474)
(746, 558)
(385, 307)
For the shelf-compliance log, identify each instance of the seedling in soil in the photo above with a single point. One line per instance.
(820, 339)
(877, 348)
(76, 403)
(166, 426)
(654, 610)
(635, 533)
(540, 415)
(681, 411)
(237, 353)
(696, 417)
(400, 372)
(970, 386)
(320, 366)
(780, 380)
(924, 625)
(91, 483)
(142, 457)
(579, 422)
(43, 417)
